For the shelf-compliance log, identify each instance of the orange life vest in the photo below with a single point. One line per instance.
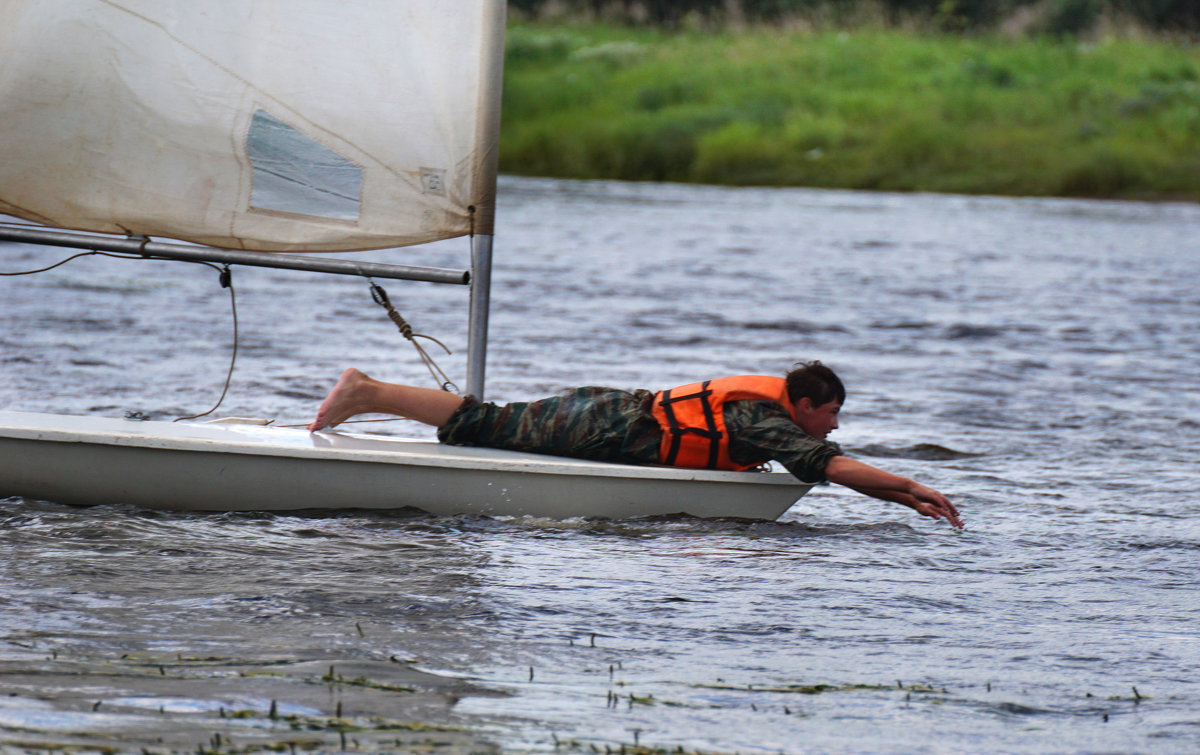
(692, 418)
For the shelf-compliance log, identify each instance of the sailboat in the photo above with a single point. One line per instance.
(246, 134)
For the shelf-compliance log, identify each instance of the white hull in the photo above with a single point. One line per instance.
(223, 467)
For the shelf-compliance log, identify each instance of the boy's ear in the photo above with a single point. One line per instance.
(805, 404)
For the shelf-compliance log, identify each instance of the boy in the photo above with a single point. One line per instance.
(728, 423)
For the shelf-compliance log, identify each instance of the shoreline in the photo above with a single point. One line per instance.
(868, 109)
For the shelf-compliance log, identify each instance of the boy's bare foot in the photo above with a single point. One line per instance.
(357, 393)
(350, 396)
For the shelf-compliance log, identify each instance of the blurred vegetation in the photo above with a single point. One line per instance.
(867, 107)
(1042, 16)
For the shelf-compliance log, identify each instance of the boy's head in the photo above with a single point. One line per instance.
(816, 382)
(816, 394)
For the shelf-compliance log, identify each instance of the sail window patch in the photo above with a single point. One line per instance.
(293, 173)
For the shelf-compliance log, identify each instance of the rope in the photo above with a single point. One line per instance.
(439, 376)
(73, 257)
(226, 278)
(349, 421)
(226, 282)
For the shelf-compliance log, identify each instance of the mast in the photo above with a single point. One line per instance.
(491, 66)
(477, 318)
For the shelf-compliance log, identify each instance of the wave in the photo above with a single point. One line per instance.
(920, 451)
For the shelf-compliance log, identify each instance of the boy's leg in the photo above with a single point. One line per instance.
(588, 422)
(356, 393)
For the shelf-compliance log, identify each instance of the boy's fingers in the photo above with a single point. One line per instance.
(945, 512)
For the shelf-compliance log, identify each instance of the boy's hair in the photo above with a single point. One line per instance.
(816, 382)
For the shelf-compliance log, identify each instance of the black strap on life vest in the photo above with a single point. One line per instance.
(710, 431)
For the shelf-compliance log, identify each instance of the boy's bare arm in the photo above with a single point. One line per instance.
(886, 486)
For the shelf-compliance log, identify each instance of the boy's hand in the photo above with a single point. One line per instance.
(933, 504)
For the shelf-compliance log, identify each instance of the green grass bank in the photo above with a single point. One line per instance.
(861, 109)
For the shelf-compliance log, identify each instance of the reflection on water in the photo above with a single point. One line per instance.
(1032, 358)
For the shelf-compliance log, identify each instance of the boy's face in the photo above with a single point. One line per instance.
(817, 421)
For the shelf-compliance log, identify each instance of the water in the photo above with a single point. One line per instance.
(1034, 359)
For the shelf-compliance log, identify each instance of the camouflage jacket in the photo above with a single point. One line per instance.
(606, 424)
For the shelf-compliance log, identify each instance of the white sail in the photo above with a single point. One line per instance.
(278, 125)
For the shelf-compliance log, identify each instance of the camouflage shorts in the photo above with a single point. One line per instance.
(605, 424)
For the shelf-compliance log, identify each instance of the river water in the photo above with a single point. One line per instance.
(1033, 359)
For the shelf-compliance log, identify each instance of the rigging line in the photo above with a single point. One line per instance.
(60, 263)
(439, 375)
(226, 282)
(348, 421)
